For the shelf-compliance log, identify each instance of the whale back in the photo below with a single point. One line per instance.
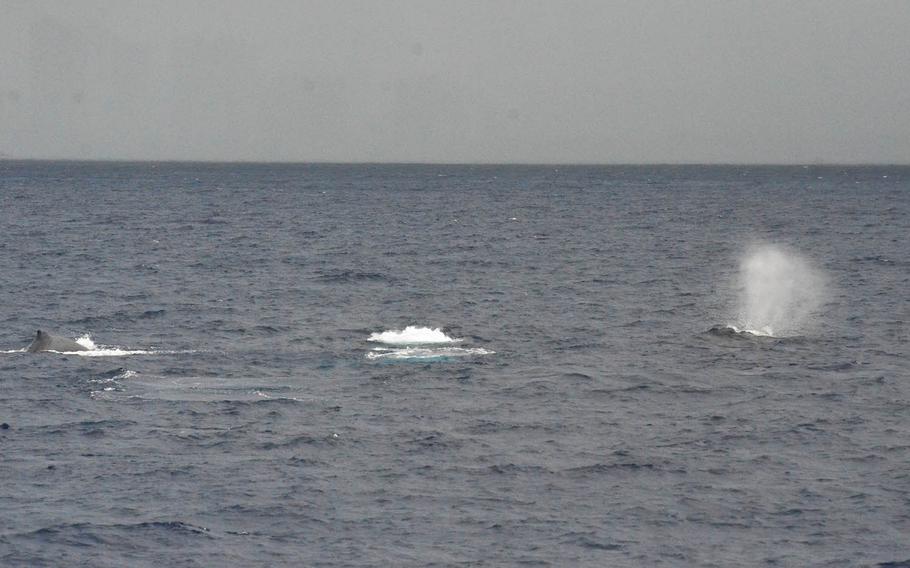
(46, 342)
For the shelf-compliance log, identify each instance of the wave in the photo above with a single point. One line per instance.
(413, 335)
(115, 375)
(427, 353)
(351, 276)
(89, 533)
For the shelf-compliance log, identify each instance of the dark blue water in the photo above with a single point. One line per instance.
(234, 413)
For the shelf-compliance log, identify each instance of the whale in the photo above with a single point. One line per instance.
(726, 331)
(46, 342)
(730, 331)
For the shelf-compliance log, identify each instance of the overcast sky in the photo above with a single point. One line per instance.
(598, 81)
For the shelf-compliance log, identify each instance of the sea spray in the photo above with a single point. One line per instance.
(779, 292)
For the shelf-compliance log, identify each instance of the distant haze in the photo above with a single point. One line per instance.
(600, 81)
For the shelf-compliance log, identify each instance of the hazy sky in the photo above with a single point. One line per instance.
(602, 81)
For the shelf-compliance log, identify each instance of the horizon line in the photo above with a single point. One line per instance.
(433, 163)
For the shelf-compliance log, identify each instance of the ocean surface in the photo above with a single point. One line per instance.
(413, 365)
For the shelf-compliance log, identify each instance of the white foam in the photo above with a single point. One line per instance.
(105, 351)
(419, 353)
(413, 335)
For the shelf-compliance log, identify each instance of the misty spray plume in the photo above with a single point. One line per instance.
(779, 292)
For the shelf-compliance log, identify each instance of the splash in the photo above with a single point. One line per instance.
(426, 344)
(86, 341)
(779, 292)
(413, 335)
(95, 350)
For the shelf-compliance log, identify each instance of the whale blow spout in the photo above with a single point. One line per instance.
(46, 342)
(781, 292)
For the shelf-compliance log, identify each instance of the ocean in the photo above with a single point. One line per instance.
(435, 365)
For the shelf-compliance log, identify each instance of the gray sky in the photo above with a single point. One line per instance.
(602, 81)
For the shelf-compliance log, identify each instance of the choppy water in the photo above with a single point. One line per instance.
(234, 411)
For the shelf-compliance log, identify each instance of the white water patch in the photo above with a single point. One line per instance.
(110, 352)
(780, 292)
(105, 351)
(96, 350)
(413, 335)
(427, 353)
(111, 384)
